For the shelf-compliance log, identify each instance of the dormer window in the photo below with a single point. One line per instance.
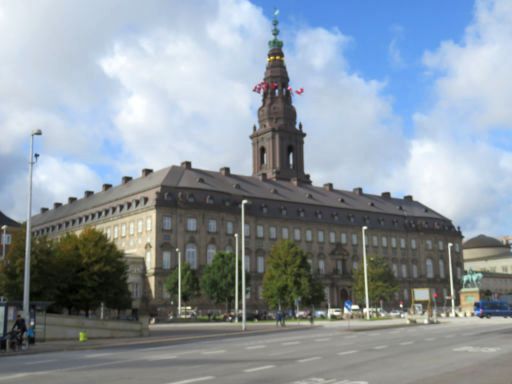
(284, 211)
(264, 208)
(209, 199)
(191, 198)
(300, 212)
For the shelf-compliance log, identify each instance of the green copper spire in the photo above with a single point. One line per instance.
(275, 42)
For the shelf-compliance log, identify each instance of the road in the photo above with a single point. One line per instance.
(464, 350)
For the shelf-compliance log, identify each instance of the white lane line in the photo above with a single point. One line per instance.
(430, 339)
(380, 347)
(213, 352)
(40, 362)
(258, 368)
(309, 359)
(291, 343)
(407, 343)
(160, 357)
(94, 355)
(347, 352)
(16, 376)
(255, 347)
(197, 379)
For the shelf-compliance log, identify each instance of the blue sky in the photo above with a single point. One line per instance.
(411, 97)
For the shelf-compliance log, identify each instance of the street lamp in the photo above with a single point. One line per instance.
(179, 281)
(450, 245)
(366, 275)
(236, 277)
(244, 202)
(26, 281)
(4, 239)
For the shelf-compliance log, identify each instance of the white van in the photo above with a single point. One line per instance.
(334, 313)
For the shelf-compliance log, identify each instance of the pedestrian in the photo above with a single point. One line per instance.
(278, 318)
(19, 328)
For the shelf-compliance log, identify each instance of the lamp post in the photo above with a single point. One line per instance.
(450, 245)
(4, 239)
(26, 280)
(244, 202)
(179, 281)
(367, 299)
(236, 277)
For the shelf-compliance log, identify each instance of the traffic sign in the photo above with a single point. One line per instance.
(348, 306)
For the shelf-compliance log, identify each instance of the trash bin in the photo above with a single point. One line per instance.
(82, 336)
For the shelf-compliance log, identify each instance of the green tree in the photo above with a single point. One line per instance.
(288, 277)
(218, 279)
(189, 283)
(382, 283)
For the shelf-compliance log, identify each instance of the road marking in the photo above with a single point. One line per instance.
(255, 347)
(259, 368)
(477, 349)
(321, 340)
(94, 355)
(213, 352)
(291, 343)
(16, 376)
(407, 343)
(160, 357)
(40, 362)
(347, 352)
(197, 379)
(380, 347)
(430, 339)
(309, 359)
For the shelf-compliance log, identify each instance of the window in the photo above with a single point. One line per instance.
(247, 263)
(441, 268)
(320, 235)
(354, 266)
(415, 271)
(191, 255)
(229, 249)
(393, 242)
(395, 269)
(284, 233)
(212, 226)
(116, 231)
(148, 224)
(210, 253)
(296, 234)
(191, 224)
(108, 234)
(504, 269)
(229, 227)
(440, 245)
(406, 294)
(272, 231)
(428, 244)
(166, 223)
(123, 230)
(339, 266)
(166, 260)
(309, 235)
(459, 272)
(354, 239)
(260, 264)
(247, 229)
(321, 266)
(139, 225)
(404, 271)
(413, 243)
(343, 238)
(135, 290)
(457, 247)
(259, 231)
(332, 237)
(260, 292)
(430, 269)
(131, 228)
(402, 243)
(148, 259)
(384, 241)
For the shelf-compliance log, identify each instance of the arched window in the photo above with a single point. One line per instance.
(441, 268)
(263, 156)
(191, 255)
(414, 271)
(430, 269)
(210, 253)
(291, 164)
(395, 269)
(404, 271)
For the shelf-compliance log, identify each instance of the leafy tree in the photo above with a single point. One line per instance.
(382, 283)
(288, 277)
(189, 283)
(218, 279)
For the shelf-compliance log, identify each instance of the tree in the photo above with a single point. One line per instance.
(382, 283)
(218, 279)
(189, 283)
(288, 277)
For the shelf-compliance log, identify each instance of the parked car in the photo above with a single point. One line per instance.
(321, 314)
(397, 313)
(334, 313)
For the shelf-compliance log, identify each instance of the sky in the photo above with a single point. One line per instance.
(400, 96)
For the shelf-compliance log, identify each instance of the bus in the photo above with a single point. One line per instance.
(489, 308)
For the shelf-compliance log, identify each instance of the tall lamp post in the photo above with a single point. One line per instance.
(450, 245)
(4, 239)
(367, 299)
(244, 202)
(236, 277)
(179, 281)
(26, 280)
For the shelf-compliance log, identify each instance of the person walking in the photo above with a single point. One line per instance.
(19, 328)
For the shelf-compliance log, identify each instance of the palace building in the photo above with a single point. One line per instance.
(198, 211)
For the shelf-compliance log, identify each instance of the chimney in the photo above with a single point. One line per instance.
(106, 187)
(328, 187)
(71, 200)
(358, 191)
(57, 205)
(386, 195)
(186, 164)
(408, 197)
(146, 171)
(263, 176)
(126, 179)
(225, 171)
(44, 209)
(88, 193)
(295, 181)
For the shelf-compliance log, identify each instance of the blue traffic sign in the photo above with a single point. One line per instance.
(348, 305)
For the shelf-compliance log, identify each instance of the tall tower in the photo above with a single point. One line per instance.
(277, 144)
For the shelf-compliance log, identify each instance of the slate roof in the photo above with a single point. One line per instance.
(189, 179)
(5, 220)
(482, 241)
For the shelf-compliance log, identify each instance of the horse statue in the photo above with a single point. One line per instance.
(472, 279)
